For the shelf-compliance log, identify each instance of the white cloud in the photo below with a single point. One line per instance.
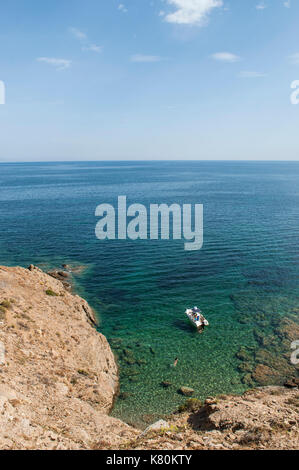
(261, 6)
(59, 64)
(191, 11)
(122, 8)
(145, 58)
(78, 34)
(225, 57)
(287, 4)
(92, 48)
(84, 39)
(251, 74)
(294, 59)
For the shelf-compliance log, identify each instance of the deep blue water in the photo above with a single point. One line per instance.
(140, 289)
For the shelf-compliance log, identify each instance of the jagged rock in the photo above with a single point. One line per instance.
(61, 276)
(34, 268)
(292, 383)
(210, 401)
(157, 426)
(47, 341)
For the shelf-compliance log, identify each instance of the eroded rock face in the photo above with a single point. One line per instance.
(263, 418)
(58, 378)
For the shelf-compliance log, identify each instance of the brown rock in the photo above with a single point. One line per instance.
(265, 375)
(44, 402)
(186, 391)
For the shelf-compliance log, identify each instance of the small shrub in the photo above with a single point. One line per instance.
(252, 437)
(6, 304)
(192, 405)
(51, 293)
(293, 401)
(164, 431)
(83, 372)
(2, 313)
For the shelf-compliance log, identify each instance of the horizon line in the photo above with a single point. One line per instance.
(155, 160)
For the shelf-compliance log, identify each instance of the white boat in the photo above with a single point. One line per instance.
(196, 318)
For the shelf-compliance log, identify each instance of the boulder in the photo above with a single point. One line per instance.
(292, 383)
(157, 426)
(186, 391)
(60, 275)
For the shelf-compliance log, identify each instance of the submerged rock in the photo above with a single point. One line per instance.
(248, 380)
(141, 362)
(243, 355)
(116, 343)
(130, 361)
(124, 395)
(130, 372)
(265, 375)
(245, 367)
(166, 384)
(74, 269)
(186, 391)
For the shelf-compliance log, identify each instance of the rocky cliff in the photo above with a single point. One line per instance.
(58, 376)
(58, 380)
(264, 418)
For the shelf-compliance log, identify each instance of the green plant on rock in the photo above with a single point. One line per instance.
(51, 293)
(83, 372)
(192, 405)
(2, 313)
(6, 304)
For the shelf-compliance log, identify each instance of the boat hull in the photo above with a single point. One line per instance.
(196, 324)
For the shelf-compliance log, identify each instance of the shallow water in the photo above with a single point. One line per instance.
(140, 289)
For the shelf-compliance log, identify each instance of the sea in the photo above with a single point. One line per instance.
(247, 268)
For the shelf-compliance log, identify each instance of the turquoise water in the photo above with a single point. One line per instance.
(248, 265)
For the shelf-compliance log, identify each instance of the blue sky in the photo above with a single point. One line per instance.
(149, 79)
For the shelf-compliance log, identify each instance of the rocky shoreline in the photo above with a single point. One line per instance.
(59, 379)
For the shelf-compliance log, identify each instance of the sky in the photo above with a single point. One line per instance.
(148, 80)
